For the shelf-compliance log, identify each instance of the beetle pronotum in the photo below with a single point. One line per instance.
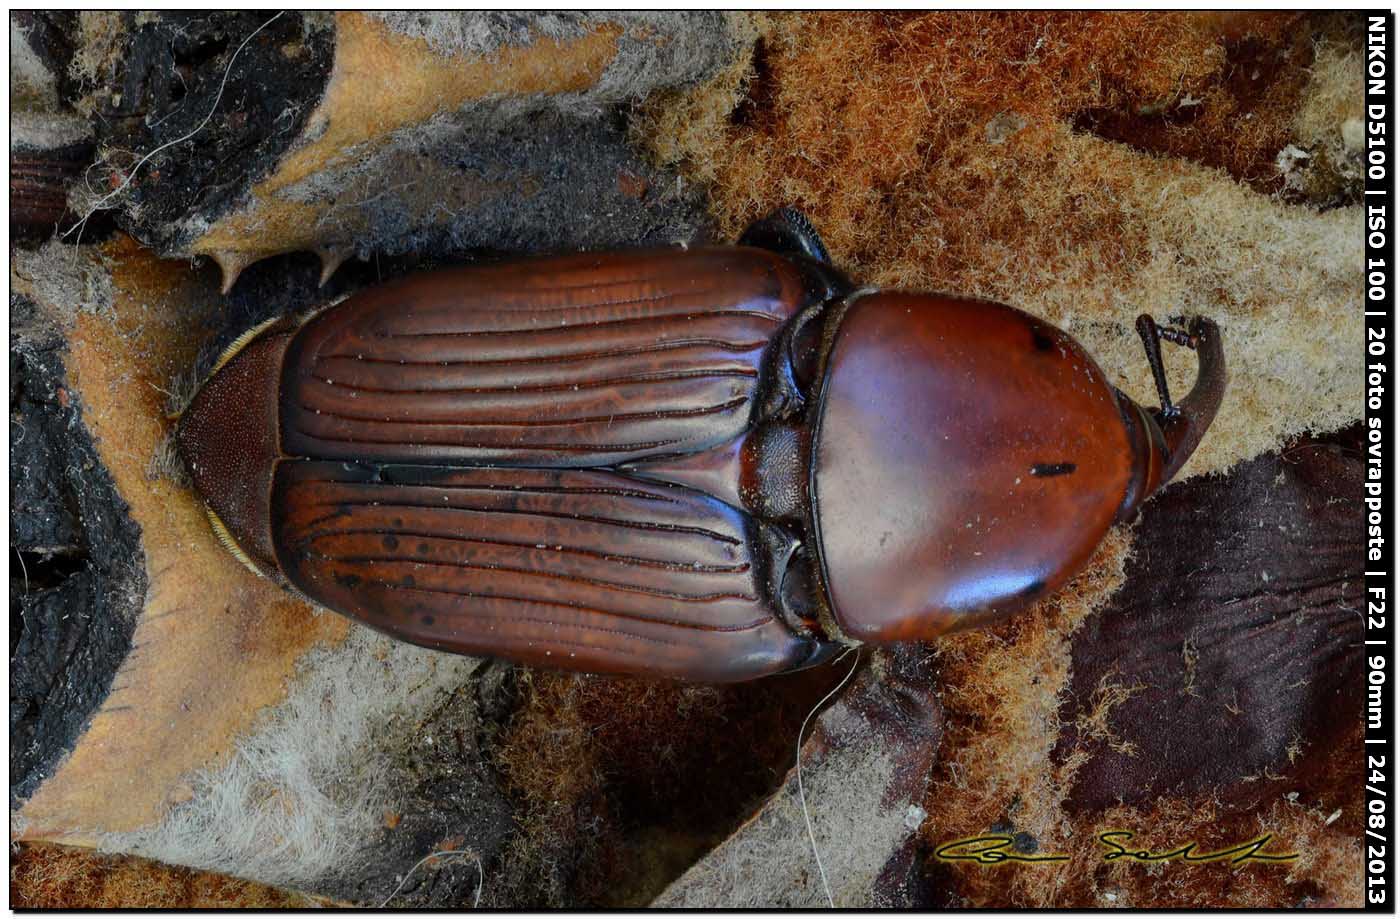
(713, 464)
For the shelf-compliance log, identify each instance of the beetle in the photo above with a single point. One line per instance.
(709, 464)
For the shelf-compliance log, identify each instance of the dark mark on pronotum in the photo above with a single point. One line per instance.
(1046, 470)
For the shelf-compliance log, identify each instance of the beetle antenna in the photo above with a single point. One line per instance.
(1152, 335)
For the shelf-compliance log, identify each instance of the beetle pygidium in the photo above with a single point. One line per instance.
(713, 464)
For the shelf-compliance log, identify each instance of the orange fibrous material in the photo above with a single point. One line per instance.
(47, 876)
(879, 125)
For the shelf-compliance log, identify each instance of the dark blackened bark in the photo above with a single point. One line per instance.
(77, 579)
(1239, 628)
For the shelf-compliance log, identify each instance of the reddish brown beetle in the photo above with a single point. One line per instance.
(713, 464)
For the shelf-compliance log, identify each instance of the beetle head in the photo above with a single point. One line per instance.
(229, 440)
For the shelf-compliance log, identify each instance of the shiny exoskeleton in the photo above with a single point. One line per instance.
(712, 464)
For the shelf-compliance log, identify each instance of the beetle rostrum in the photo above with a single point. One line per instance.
(714, 464)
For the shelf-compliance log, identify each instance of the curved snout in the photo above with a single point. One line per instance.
(1184, 424)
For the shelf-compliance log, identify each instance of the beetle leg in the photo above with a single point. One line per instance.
(786, 231)
(790, 367)
(789, 579)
